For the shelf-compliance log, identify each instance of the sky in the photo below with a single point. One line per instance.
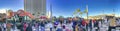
(67, 7)
(95, 7)
(12, 4)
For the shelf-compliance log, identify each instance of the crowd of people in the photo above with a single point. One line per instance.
(25, 22)
(58, 24)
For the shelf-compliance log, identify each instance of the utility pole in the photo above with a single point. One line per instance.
(87, 11)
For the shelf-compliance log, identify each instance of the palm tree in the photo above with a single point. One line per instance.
(86, 10)
(78, 11)
(81, 13)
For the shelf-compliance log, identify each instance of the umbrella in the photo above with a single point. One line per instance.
(29, 14)
(20, 11)
(23, 13)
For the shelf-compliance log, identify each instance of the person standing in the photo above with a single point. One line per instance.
(84, 23)
(90, 25)
(0, 29)
(61, 24)
(75, 24)
(29, 28)
(69, 24)
(112, 24)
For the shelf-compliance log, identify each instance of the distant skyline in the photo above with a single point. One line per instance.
(67, 7)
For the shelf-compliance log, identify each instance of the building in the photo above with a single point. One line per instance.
(49, 14)
(3, 11)
(101, 16)
(36, 7)
(2, 14)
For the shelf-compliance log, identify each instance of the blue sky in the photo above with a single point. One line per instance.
(95, 7)
(67, 7)
(12, 4)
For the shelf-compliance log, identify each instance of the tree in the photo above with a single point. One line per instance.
(81, 13)
(78, 11)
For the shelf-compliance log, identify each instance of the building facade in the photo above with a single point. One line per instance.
(36, 7)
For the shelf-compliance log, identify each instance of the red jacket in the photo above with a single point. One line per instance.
(93, 21)
(84, 23)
